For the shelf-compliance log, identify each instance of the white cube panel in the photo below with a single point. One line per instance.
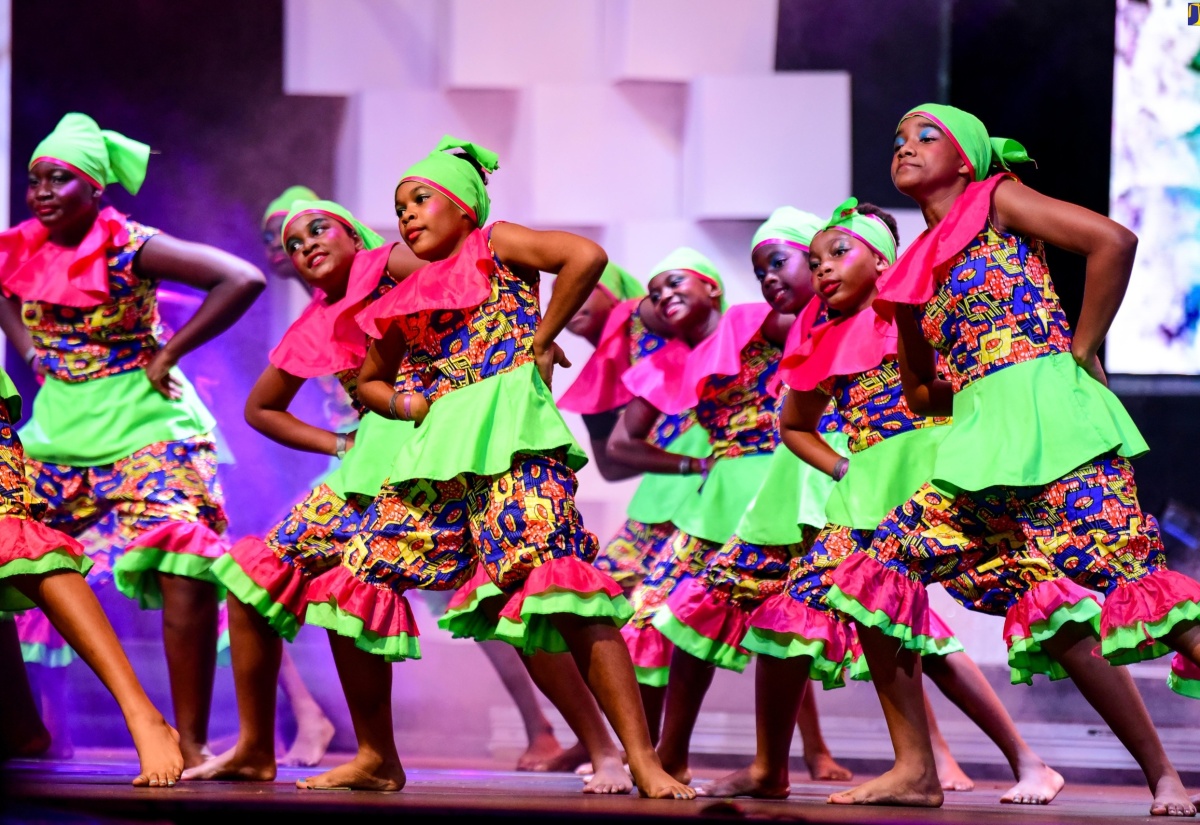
(508, 44)
(679, 39)
(751, 144)
(599, 153)
(356, 45)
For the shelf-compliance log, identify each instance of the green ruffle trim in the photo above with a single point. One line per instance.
(1026, 658)
(1184, 687)
(884, 476)
(391, 648)
(12, 600)
(1030, 424)
(369, 463)
(230, 575)
(731, 486)
(839, 600)
(652, 676)
(90, 423)
(790, 646)
(134, 573)
(536, 632)
(480, 427)
(10, 396)
(945, 645)
(657, 497)
(789, 486)
(467, 621)
(46, 656)
(706, 650)
(1140, 643)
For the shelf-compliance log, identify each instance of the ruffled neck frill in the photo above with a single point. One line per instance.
(326, 339)
(463, 281)
(672, 378)
(818, 347)
(915, 277)
(598, 388)
(35, 269)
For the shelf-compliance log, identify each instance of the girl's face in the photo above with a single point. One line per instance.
(782, 272)
(924, 158)
(682, 300)
(843, 270)
(277, 256)
(432, 225)
(589, 321)
(60, 200)
(322, 250)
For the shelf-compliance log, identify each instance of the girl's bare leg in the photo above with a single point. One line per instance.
(314, 731)
(821, 764)
(687, 686)
(544, 750)
(21, 730)
(190, 640)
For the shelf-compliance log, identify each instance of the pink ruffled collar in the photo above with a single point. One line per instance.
(325, 339)
(599, 388)
(461, 282)
(672, 379)
(914, 278)
(818, 349)
(34, 269)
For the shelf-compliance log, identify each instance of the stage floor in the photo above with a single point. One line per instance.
(93, 789)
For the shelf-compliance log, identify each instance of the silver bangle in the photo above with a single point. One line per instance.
(685, 466)
(340, 449)
(30, 354)
(840, 469)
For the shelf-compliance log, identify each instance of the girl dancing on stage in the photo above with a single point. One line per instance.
(118, 437)
(1033, 476)
(489, 476)
(840, 354)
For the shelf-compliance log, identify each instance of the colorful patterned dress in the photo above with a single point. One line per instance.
(489, 477)
(1036, 462)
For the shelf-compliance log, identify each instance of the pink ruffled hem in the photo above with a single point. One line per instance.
(882, 590)
(1147, 600)
(566, 574)
(284, 584)
(939, 630)
(1185, 668)
(30, 540)
(190, 538)
(464, 593)
(648, 648)
(784, 615)
(1038, 605)
(692, 605)
(382, 612)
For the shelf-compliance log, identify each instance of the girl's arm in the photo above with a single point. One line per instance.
(267, 412)
(15, 331)
(775, 328)
(925, 393)
(576, 261)
(798, 422)
(600, 428)
(628, 444)
(231, 283)
(377, 380)
(402, 262)
(1108, 247)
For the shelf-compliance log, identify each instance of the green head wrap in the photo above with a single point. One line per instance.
(970, 138)
(370, 238)
(689, 260)
(620, 284)
(456, 178)
(788, 225)
(100, 156)
(869, 229)
(283, 204)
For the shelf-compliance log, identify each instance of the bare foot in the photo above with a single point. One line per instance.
(751, 781)
(236, 766)
(360, 774)
(894, 788)
(57, 748)
(312, 740)
(195, 753)
(951, 775)
(823, 768)
(655, 783)
(1170, 799)
(157, 744)
(1037, 784)
(543, 749)
(610, 777)
(32, 745)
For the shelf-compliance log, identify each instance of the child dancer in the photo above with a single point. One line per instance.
(839, 353)
(41, 567)
(116, 429)
(271, 583)
(489, 476)
(1051, 473)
